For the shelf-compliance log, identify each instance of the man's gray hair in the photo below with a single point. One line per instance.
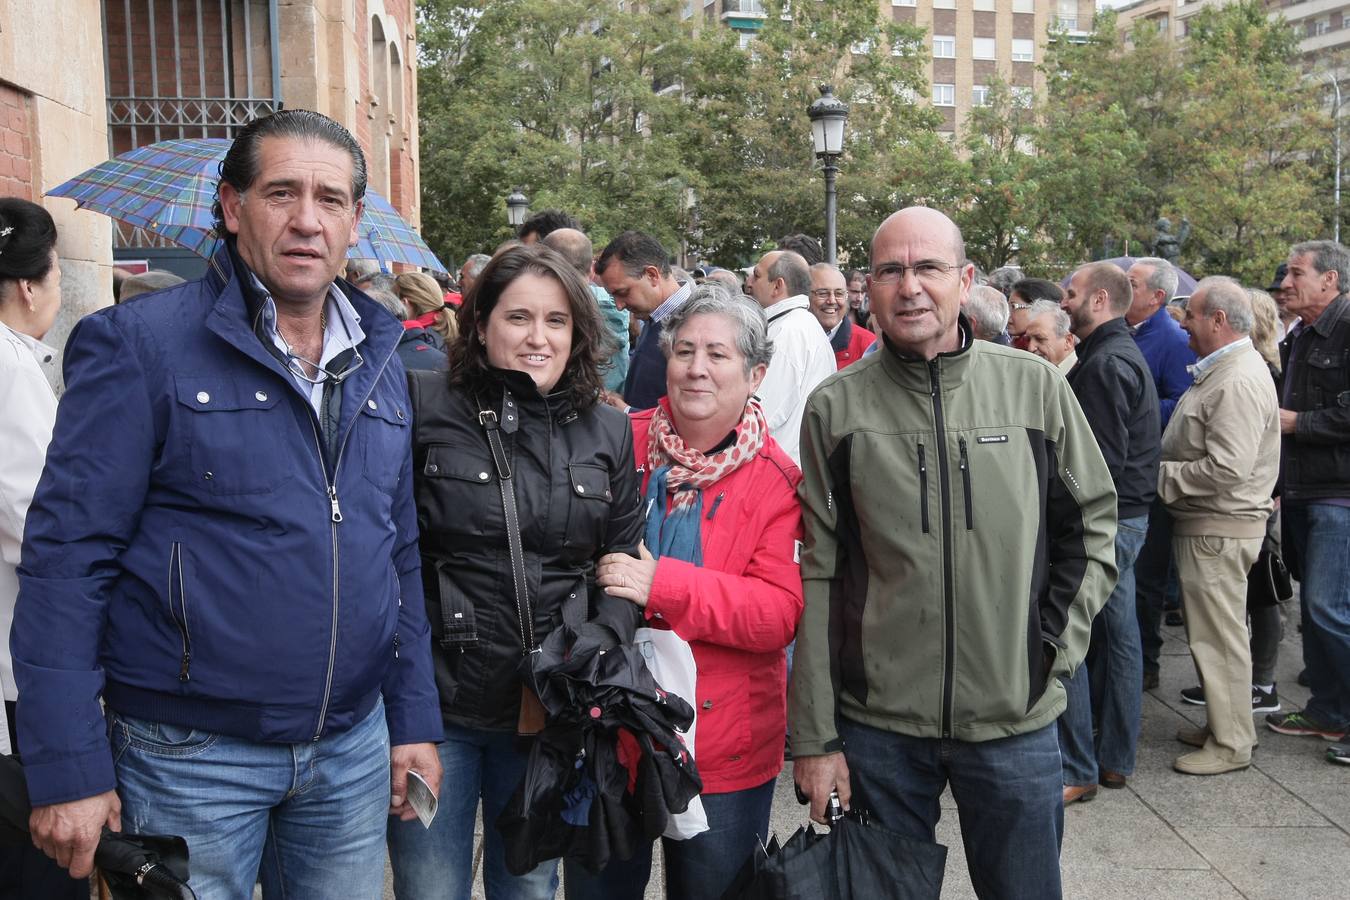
(712, 299)
(1056, 314)
(1003, 278)
(1163, 277)
(1327, 256)
(988, 311)
(1227, 294)
(475, 264)
(389, 301)
(380, 281)
(792, 268)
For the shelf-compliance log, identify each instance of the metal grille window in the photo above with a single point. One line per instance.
(186, 68)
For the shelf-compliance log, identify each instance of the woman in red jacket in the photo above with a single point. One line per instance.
(723, 531)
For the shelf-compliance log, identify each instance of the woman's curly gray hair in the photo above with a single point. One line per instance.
(710, 299)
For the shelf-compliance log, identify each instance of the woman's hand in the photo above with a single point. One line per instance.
(627, 577)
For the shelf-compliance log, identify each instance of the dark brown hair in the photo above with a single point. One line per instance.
(27, 236)
(469, 366)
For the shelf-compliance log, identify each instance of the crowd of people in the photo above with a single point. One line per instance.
(287, 546)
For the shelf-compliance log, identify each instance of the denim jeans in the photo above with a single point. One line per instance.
(1008, 796)
(1116, 677)
(1152, 573)
(703, 866)
(436, 863)
(1321, 535)
(319, 806)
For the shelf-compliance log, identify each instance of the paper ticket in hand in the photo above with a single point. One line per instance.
(420, 797)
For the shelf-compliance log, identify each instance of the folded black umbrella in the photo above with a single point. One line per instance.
(856, 859)
(135, 866)
(610, 768)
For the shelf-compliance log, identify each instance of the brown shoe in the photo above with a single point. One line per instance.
(1193, 737)
(1079, 793)
(1113, 780)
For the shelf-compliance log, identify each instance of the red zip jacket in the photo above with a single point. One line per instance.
(738, 612)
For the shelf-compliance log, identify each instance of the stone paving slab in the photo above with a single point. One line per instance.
(1278, 830)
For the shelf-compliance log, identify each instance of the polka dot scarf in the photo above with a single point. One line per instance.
(690, 470)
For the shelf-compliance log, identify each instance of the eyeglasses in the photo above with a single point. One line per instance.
(928, 270)
(322, 375)
(826, 293)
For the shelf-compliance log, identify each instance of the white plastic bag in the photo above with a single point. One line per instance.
(671, 663)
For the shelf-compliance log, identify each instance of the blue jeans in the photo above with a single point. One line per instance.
(319, 806)
(703, 866)
(1116, 677)
(437, 862)
(1321, 535)
(1008, 796)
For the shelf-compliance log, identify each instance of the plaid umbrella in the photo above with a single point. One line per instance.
(168, 188)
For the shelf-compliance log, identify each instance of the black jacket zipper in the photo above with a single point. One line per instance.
(948, 578)
(965, 483)
(923, 488)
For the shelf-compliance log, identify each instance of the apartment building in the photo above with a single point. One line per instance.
(1323, 26)
(969, 41)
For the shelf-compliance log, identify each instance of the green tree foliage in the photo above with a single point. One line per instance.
(561, 97)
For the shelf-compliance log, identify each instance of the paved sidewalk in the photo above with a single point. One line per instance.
(1278, 830)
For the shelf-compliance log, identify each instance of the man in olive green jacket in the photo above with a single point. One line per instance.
(960, 526)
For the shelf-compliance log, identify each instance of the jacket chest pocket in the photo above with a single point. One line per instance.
(1328, 378)
(238, 441)
(458, 492)
(384, 436)
(588, 508)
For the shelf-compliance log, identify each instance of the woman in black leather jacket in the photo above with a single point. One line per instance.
(526, 362)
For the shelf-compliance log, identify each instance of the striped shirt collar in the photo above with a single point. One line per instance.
(673, 302)
(1202, 366)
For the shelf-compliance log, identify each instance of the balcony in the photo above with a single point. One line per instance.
(742, 9)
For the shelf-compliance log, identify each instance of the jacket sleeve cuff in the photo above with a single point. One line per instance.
(414, 724)
(69, 779)
(816, 747)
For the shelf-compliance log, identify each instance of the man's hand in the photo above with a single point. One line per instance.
(420, 758)
(69, 832)
(816, 776)
(1288, 418)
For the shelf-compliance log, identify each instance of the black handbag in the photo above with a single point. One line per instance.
(1268, 582)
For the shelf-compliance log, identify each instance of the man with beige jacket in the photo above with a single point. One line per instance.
(1220, 458)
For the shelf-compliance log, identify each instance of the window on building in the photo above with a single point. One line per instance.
(862, 48)
(744, 39)
(985, 6)
(1024, 6)
(1021, 96)
(979, 95)
(903, 3)
(944, 95)
(944, 46)
(944, 4)
(983, 48)
(1023, 50)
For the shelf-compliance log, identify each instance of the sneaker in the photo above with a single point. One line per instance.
(1339, 753)
(1265, 701)
(1194, 695)
(1299, 725)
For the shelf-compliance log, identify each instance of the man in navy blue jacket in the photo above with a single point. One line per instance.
(635, 269)
(223, 549)
(1167, 350)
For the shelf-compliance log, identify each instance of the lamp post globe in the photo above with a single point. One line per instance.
(517, 207)
(828, 116)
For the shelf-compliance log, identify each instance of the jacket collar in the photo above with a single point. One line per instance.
(915, 374)
(234, 318)
(1102, 334)
(842, 334)
(1334, 312)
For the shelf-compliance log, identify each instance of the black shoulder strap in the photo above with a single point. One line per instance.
(488, 419)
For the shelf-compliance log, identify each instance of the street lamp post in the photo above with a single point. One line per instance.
(1336, 86)
(517, 207)
(828, 115)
